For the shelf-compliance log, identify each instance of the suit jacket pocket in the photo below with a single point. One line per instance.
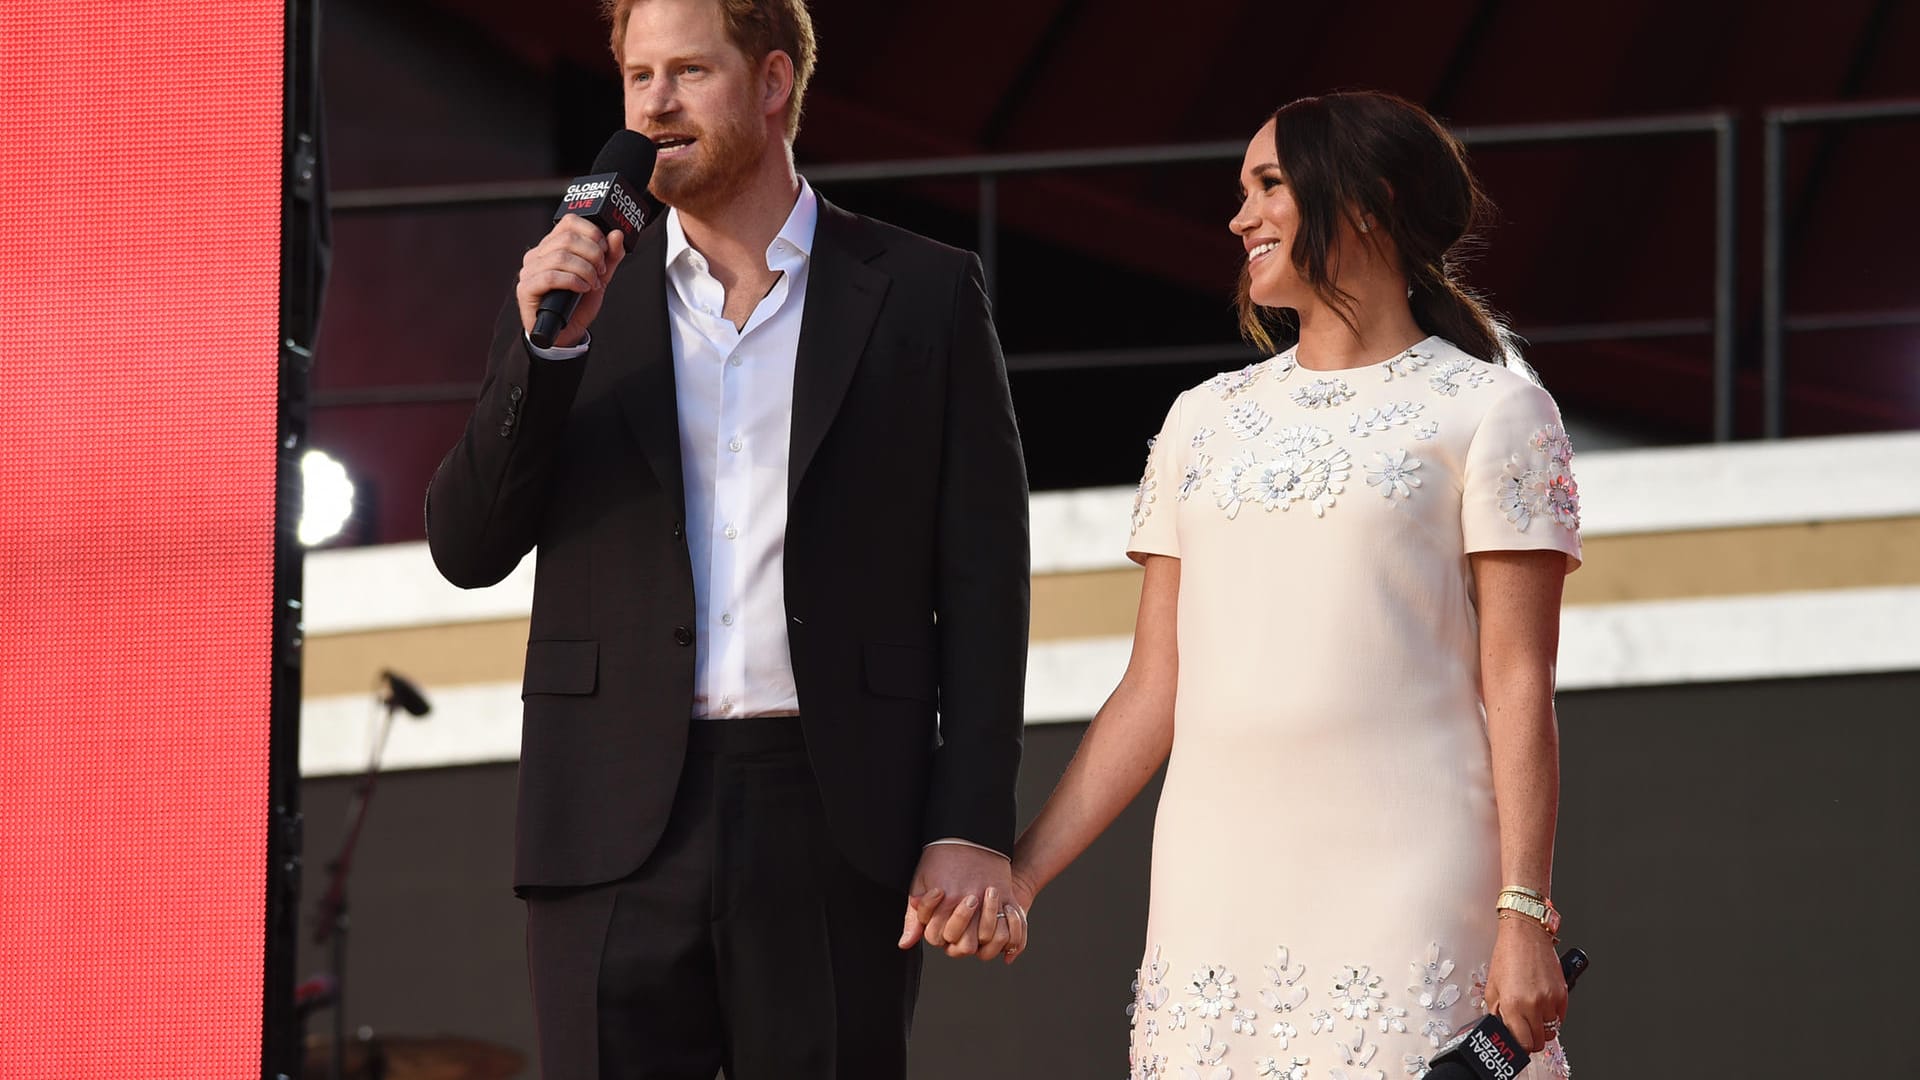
(902, 671)
(561, 667)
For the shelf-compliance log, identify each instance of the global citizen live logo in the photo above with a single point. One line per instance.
(581, 195)
(1493, 1053)
(589, 195)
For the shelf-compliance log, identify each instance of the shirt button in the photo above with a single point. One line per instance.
(732, 361)
(682, 636)
(736, 446)
(727, 619)
(731, 533)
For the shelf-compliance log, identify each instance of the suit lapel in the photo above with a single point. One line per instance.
(844, 295)
(636, 309)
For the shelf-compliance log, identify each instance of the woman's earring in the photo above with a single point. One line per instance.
(1366, 224)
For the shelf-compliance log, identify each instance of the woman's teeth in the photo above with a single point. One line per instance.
(1264, 249)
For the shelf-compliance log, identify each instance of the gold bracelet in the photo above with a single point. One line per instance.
(1540, 911)
(1505, 916)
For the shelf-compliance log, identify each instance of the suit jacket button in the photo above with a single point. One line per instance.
(515, 394)
(678, 530)
(506, 430)
(682, 636)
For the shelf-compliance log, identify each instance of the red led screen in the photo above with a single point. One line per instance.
(140, 149)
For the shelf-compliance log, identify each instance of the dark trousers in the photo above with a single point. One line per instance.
(746, 944)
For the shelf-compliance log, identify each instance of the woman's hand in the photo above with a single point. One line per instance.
(1524, 985)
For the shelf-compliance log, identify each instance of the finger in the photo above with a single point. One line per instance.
(1525, 1032)
(540, 282)
(910, 929)
(1017, 922)
(928, 910)
(960, 932)
(927, 903)
(616, 250)
(994, 930)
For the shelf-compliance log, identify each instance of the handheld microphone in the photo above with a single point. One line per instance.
(613, 196)
(1487, 1050)
(395, 690)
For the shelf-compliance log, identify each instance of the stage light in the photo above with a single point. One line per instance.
(326, 499)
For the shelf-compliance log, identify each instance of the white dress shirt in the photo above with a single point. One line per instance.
(735, 389)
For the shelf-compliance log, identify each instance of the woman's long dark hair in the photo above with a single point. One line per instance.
(1365, 154)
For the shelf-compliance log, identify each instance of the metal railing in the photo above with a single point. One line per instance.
(1774, 321)
(987, 170)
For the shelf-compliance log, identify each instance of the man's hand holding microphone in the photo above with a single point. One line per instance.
(563, 278)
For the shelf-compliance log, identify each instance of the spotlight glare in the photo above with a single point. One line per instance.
(326, 500)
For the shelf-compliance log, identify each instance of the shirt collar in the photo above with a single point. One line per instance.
(795, 237)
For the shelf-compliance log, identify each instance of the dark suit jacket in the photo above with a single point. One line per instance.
(906, 558)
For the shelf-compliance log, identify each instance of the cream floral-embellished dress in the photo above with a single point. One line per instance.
(1326, 854)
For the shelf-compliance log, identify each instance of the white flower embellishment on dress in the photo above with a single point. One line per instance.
(1358, 1053)
(1393, 472)
(1208, 1052)
(1247, 420)
(1322, 393)
(1148, 994)
(1430, 986)
(1426, 431)
(1407, 363)
(1292, 1069)
(1540, 484)
(1446, 378)
(1308, 469)
(1212, 991)
(1383, 419)
(1197, 470)
(1200, 437)
(1285, 995)
(1357, 992)
(1229, 383)
(1143, 495)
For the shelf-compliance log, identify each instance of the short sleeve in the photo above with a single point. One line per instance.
(1155, 530)
(1519, 492)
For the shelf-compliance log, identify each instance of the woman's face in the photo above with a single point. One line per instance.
(1267, 223)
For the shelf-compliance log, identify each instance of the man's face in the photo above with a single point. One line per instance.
(691, 90)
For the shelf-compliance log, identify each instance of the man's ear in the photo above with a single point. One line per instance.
(776, 81)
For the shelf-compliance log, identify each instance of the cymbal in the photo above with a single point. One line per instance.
(411, 1057)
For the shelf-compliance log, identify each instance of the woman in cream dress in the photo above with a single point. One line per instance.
(1345, 645)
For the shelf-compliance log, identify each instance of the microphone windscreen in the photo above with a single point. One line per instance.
(630, 154)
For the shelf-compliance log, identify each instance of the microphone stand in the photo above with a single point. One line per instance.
(331, 928)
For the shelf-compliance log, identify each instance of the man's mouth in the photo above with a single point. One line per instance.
(674, 144)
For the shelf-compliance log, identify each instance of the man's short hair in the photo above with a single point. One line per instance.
(756, 27)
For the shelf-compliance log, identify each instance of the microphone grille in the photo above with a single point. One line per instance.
(630, 154)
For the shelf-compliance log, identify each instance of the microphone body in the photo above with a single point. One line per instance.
(613, 196)
(1487, 1050)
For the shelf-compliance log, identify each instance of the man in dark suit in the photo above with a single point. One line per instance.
(774, 683)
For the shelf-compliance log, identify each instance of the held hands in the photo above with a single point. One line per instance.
(574, 257)
(1524, 984)
(962, 901)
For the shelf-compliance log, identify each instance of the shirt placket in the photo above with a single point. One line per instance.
(732, 510)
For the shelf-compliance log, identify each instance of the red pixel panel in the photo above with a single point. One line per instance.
(140, 150)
